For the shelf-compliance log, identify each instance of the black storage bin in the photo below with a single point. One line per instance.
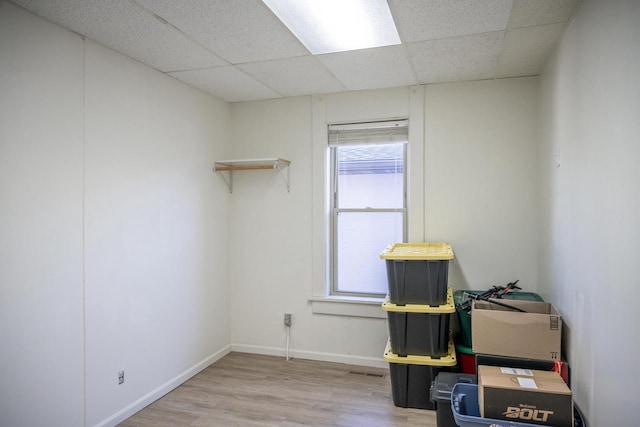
(410, 384)
(419, 330)
(411, 377)
(418, 273)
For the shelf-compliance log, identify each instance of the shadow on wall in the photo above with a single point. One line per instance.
(457, 280)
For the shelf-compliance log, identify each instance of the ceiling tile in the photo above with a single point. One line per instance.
(303, 75)
(197, 41)
(371, 68)
(227, 83)
(527, 13)
(527, 49)
(237, 30)
(124, 27)
(456, 59)
(419, 20)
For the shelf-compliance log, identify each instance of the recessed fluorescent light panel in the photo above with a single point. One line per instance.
(326, 26)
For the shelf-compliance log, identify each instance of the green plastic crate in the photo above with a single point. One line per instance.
(464, 317)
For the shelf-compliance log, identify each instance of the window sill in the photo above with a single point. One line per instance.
(348, 306)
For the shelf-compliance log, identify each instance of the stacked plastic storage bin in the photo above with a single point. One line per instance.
(418, 309)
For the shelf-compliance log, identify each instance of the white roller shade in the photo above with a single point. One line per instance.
(369, 133)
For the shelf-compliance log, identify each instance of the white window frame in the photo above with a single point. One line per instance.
(368, 133)
(361, 107)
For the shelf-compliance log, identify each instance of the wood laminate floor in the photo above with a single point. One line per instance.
(255, 390)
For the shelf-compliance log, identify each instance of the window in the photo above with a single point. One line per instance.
(368, 203)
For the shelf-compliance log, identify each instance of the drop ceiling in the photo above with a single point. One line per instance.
(238, 50)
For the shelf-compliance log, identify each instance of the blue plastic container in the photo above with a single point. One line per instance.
(466, 412)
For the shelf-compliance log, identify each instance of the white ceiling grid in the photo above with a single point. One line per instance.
(238, 50)
(228, 83)
(526, 49)
(303, 75)
(374, 68)
(420, 20)
(473, 57)
(238, 30)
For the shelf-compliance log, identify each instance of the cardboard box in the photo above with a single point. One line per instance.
(524, 396)
(518, 372)
(559, 366)
(534, 334)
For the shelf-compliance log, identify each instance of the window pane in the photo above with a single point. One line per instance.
(370, 176)
(361, 238)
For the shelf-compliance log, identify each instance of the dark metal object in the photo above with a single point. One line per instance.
(495, 292)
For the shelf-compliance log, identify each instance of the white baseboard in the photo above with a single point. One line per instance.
(165, 388)
(374, 362)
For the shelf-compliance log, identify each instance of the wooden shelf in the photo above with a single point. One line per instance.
(230, 166)
(250, 164)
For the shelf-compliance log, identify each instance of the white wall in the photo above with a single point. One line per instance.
(480, 179)
(41, 167)
(113, 233)
(121, 250)
(156, 290)
(271, 241)
(479, 187)
(270, 237)
(590, 204)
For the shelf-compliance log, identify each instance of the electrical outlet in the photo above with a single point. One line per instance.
(287, 319)
(120, 377)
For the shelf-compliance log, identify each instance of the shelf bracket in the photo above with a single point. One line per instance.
(287, 178)
(228, 181)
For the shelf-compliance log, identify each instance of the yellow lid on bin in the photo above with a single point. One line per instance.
(448, 360)
(421, 251)
(448, 307)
